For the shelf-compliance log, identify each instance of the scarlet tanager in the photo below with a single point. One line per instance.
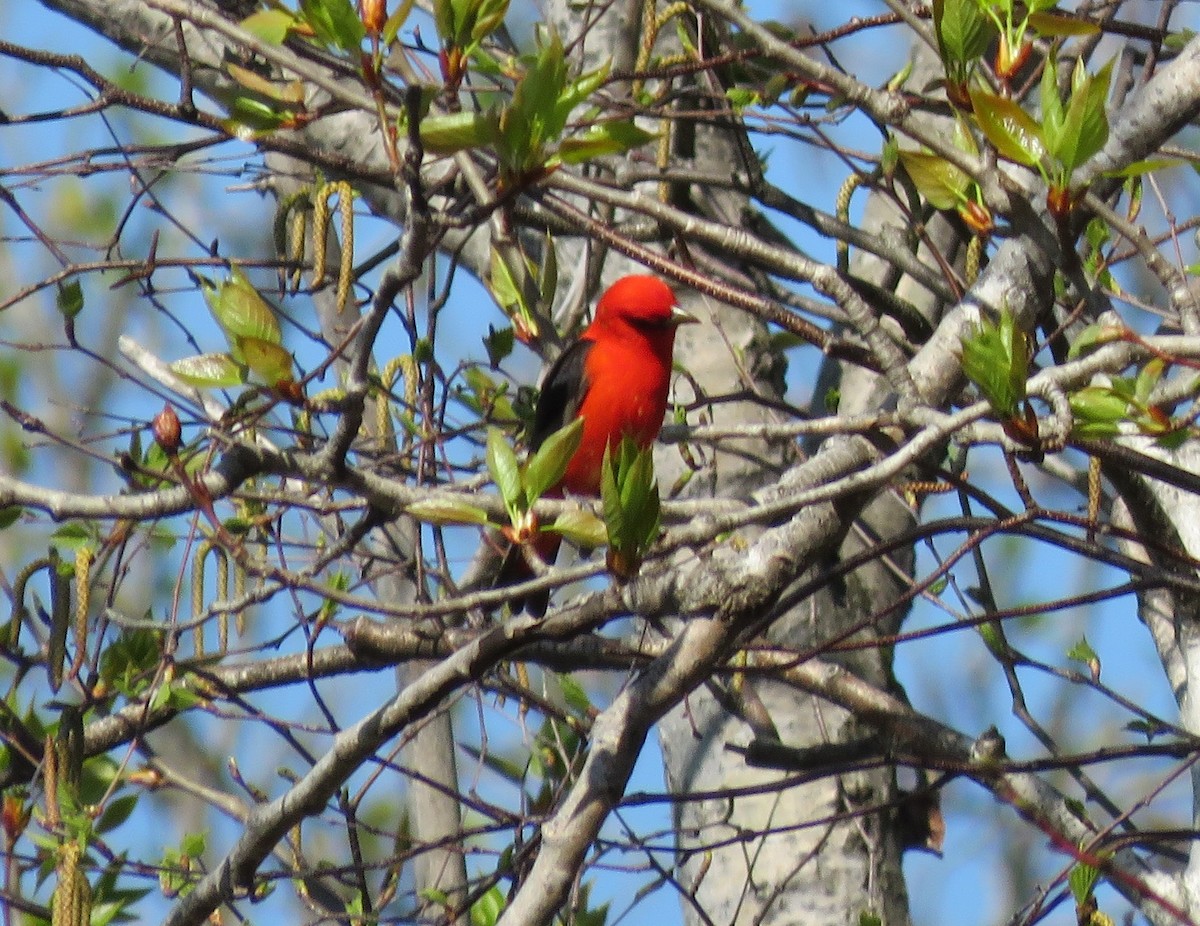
(615, 377)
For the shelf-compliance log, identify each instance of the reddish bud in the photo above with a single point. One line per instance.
(1161, 420)
(1009, 60)
(167, 430)
(977, 218)
(959, 96)
(374, 15)
(623, 565)
(15, 816)
(1024, 428)
(290, 391)
(1059, 201)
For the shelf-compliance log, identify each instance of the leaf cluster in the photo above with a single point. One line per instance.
(251, 326)
(632, 508)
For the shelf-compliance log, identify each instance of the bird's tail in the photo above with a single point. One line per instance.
(515, 569)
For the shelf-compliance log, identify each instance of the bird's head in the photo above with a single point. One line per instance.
(643, 303)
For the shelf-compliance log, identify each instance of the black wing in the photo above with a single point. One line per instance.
(562, 393)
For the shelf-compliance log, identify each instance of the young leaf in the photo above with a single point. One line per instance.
(454, 132)
(1098, 412)
(582, 528)
(435, 511)
(509, 294)
(70, 298)
(535, 117)
(963, 31)
(506, 472)
(1057, 25)
(271, 363)
(996, 359)
(116, 812)
(1053, 113)
(610, 496)
(939, 181)
(1083, 880)
(548, 465)
(488, 15)
(1009, 128)
(241, 311)
(604, 139)
(335, 22)
(1092, 338)
(1085, 127)
(487, 909)
(629, 495)
(444, 21)
(582, 88)
(209, 371)
(272, 26)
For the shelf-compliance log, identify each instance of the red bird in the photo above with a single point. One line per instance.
(615, 377)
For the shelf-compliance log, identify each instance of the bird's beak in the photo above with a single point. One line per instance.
(680, 317)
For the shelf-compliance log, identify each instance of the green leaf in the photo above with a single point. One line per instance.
(939, 181)
(9, 515)
(1148, 377)
(1098, 411)
(963, 31)
(1056, 25)
(241, 311)
(629, 497)
(1083, 879)
(582, 528)
(604, 139)
(579, 90)
(1085, 126)
(271, 363)
(453, 132)
(438, 511)
(444, 20)
(289, 93)
(1053, 112)
(1093, 337)
(506, 288)
(740, 98)
(250, 115)
(498, 344)
(398, 18)
(1082, 652)
(488, 16)
(610, 497)
(116, 812)
(1008, 127)
(272, 26)
(996, 359)
(506, 472)
(487, 909)
(335, 22)
(1141, 168)
(127, 664)
(546, 468)
(1177, 41)
(74, 537)
(70, 298)
(538, 112)
(209, 371)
